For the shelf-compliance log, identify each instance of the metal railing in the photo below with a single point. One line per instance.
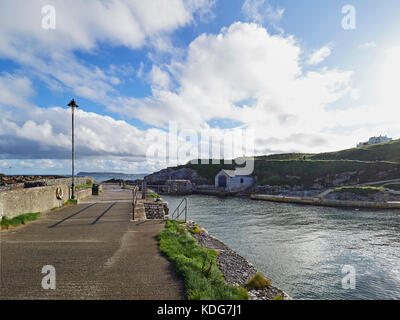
(135, 193)
(178, 211)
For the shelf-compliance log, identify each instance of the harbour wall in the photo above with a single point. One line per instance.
(328, 203)
(39, 199)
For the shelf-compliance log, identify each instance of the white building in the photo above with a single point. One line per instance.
(375, 140)
(232, 181)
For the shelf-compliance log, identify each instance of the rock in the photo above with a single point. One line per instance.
(161, 177)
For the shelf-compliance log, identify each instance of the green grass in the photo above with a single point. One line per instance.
(151, 195)
(70, 202)
(258, 282)
(7, 223)
(197, 265)
(83, 186)
(278, 297)
(392, 186)
(306, 173)
(380, 152)
(360, 190)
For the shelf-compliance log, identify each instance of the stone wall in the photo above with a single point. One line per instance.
(154, 210)
(83, 193)
(47, 182)
(40, 199)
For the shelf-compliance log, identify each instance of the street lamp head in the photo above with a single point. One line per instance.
(72, 104)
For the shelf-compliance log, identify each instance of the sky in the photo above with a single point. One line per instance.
(296, 76)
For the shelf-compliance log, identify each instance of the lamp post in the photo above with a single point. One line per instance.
(73, 105)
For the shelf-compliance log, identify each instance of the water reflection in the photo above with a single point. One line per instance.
(303, 248)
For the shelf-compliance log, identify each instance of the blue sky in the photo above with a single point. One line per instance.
(285, 69)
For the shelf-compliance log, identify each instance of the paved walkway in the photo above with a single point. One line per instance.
(98, 253)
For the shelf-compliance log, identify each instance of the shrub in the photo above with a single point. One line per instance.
(196, 229)
(258, 282)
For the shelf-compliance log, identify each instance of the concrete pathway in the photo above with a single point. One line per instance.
(97, 252)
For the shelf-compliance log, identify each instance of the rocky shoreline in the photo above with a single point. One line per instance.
(235, 269)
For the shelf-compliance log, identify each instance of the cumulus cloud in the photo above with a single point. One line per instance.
(246, 75)
(320, 55)
(85, 26)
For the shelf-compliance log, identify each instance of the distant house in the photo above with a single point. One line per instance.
(375, 140)
(232, 180)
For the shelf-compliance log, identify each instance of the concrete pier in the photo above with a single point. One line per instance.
(98, 252)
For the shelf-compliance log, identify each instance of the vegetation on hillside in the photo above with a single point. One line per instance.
(197, 265)
(299, 172)
(364, 164)
(389, 151)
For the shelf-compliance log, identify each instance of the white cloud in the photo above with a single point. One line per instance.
(248, 76)
(85, 26)
(243, 74)
(319, 55)
(159, 78)
(261, 11)
(15, 90)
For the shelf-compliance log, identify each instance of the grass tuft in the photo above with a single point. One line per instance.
(258, 282)
(70, 202)
(196, 229)
(7, 223)
(197, 265)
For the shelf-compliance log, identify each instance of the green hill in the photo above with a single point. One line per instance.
(346, 167)
(380, 152)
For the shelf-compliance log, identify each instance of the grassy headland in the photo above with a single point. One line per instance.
(364, 164)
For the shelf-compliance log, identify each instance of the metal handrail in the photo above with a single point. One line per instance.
(135, 193)
(179, 212)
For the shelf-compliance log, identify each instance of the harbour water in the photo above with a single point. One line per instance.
(100, 177)
(303, 249)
